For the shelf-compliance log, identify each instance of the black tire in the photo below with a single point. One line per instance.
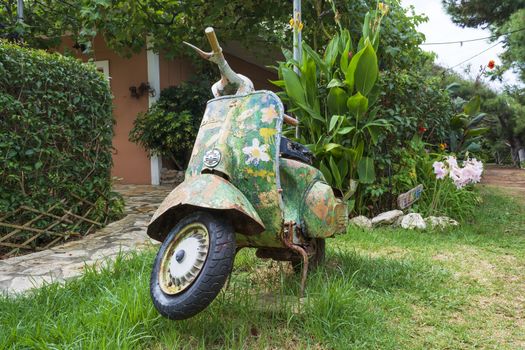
(211, 278)
(315, 260)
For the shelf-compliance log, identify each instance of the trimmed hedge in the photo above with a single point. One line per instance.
(56, 129)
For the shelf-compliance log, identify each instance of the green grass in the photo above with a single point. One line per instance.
(382, 289)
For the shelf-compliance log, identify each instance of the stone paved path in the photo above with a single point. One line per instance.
(20, 273)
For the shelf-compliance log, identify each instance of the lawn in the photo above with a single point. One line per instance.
(385, 289)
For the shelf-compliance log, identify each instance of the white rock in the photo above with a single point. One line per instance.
(440, 222)
(387, 217)
(413, 221)
(361, 221)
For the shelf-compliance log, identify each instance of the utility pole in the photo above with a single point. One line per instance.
(20, 11)
(297, 42)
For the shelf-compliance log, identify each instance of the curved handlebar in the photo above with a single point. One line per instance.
(212, 39)
(290, 120)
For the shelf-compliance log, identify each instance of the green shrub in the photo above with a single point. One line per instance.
(56, 129)
(413, 102)
(170, 126)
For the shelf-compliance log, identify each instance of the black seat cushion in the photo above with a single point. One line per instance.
(294, 150)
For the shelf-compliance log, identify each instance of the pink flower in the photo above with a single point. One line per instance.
(470, 173)
(456, 174)
(440, 170)
(452, 162)
(473, 169)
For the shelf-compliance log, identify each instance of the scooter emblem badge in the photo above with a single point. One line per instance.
(212, 158)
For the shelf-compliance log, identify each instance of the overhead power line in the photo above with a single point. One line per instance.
(470, 40)
(476, 55)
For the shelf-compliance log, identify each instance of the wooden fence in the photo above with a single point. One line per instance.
(28, 229)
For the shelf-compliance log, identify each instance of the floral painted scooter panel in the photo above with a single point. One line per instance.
(246, 130)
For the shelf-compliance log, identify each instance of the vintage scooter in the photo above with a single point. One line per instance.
(245, 186)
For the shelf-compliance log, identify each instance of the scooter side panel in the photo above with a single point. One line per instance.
(323, 214)
(296, 180)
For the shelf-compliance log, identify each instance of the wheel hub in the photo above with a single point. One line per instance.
(179, 256)
(184, 259)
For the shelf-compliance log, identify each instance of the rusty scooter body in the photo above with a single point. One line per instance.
(245, 186)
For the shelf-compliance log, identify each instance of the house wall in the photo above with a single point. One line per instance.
(173, 72)
(130, 162)
(257, 75)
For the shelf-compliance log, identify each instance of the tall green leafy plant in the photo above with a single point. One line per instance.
(464, 131)
(333, 96)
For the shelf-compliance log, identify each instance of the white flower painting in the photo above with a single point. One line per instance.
(256, 152)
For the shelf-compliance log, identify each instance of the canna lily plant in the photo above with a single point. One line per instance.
(333, 96)
(464, 131)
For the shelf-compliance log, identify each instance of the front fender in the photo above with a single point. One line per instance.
(208, 192)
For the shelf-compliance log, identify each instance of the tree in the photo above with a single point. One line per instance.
(514, 56)
(126, 25)
(475, 13)
(509, 112)
(505, 117)
(505, 19)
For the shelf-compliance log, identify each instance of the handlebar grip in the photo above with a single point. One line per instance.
(290, 120)
(212, 39)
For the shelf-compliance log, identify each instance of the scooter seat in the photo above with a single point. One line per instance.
(294, 150)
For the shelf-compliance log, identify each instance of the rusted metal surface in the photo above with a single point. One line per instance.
(206, 191)
(309, 201)
(322, 212)
(287, 238)
(296, 179)
(290, 120)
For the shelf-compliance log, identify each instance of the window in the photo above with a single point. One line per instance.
(103, 66)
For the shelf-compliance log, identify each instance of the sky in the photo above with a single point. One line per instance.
(440, 28)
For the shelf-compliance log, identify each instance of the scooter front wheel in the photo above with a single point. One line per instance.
(192, 265)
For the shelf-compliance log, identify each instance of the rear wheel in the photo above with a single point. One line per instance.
(192, 265)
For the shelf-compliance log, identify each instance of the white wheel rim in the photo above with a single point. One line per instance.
(184, 259)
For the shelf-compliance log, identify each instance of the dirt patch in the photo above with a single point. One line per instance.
(509, 180)
(505, 177)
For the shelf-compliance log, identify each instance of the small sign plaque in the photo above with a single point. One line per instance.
(408, 198)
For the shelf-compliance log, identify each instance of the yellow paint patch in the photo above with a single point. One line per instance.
(260, 173)
(267, 133)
